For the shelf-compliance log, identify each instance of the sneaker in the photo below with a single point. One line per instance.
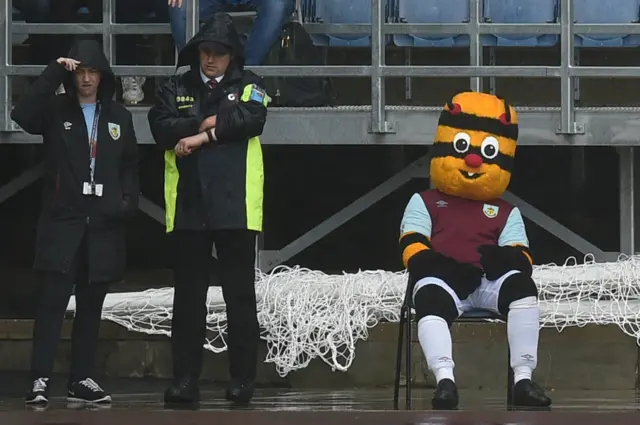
(132, 90)
(39, 392)
(87, 391)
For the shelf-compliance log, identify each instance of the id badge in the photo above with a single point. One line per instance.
(86, 188)
(99, 188)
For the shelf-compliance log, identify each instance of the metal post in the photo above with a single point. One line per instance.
(475, 49)
(627, 200)
(5, 59)
(193, 18)
(108, 39)
(568, 123)
(378, 47)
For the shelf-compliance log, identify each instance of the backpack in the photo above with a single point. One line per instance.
(295, 47)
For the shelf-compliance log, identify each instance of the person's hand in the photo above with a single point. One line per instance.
(175, 3)
(187, 145)
(69, 64)
(208, 123)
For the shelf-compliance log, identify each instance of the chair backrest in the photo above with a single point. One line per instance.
(521, 11)
(343, 11)
(433, 11)
(606, 11)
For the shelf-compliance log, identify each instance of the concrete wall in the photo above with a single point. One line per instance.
(589, 358)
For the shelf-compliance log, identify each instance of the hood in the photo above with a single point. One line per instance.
(89, 53)
(219, 29)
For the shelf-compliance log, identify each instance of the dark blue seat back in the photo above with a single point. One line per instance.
(432, 12)
(520, 12)
(606, 12)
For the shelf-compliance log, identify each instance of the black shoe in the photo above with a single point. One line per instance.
(529, 394)
(240, 391)
(446, 395)
(185, 390)
(39, 393)
(87, 391)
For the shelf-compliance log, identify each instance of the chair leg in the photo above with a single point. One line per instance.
(396, 385)
(509, 379)
(408, 360)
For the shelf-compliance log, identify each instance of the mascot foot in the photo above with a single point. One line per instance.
(529, 395)
(445, 396)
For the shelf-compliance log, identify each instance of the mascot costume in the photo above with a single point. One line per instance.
(465, 248)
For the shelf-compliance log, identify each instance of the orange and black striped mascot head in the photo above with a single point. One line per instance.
(475, 146)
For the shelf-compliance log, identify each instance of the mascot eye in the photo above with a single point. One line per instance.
(461, 142)
(490, 147)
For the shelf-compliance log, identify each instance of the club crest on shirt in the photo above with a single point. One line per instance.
(114, 131)
(490, 211)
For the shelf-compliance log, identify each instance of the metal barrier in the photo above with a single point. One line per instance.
(382, 114)
(567, 71)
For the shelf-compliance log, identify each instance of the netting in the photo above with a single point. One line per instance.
(307, 314)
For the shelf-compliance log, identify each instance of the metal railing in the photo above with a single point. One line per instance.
(378, 71)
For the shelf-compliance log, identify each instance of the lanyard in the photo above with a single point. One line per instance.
(93, 146)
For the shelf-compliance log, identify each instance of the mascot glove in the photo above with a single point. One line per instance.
(429, 263)
(499, 260)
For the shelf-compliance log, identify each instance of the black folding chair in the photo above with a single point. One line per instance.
(406, 318)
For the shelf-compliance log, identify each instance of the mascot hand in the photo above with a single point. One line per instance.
(499, 260)
(429, 263)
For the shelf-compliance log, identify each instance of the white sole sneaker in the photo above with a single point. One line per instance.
(37, 399)
(105, 399)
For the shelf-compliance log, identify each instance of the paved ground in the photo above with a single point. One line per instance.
(140, 402)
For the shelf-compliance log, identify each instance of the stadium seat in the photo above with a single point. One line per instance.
(432, 12)
(607, 12)
(520, 12)
(343, 12)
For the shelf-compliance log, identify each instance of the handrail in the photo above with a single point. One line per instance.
(378, 71)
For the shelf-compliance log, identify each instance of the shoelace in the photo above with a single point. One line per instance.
(40, 384)
(91, 384)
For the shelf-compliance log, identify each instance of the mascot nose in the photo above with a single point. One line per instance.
(473, 160)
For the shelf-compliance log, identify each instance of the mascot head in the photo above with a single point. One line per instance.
(474, 148)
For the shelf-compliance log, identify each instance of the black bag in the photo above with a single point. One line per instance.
(296, 48)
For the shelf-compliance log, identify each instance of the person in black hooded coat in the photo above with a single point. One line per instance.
(90, 189)
(208, 120)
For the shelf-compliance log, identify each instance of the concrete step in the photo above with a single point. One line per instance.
(589, 358)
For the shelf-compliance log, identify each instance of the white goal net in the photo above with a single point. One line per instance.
(308, 314)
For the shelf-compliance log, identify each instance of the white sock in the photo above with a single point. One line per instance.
(435, 340)
(523, 324)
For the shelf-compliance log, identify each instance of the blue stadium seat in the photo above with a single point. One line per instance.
(432, 12)
(607, 12)
(343, 12)
(520, 12)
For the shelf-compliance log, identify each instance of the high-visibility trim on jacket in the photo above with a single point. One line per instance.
(255, 171)
(171, 178)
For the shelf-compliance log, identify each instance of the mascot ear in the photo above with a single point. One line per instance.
(454, 108)
(505, 118)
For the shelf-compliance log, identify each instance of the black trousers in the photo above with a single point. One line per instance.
(192, 274)
(54, 293)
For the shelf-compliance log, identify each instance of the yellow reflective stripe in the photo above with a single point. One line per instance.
(171, 177)
(246, 94)
(254, 190)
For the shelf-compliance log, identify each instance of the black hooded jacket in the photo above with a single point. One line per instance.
(67, 215)
(220, 185)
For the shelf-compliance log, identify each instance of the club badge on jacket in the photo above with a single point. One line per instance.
(114, 131)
